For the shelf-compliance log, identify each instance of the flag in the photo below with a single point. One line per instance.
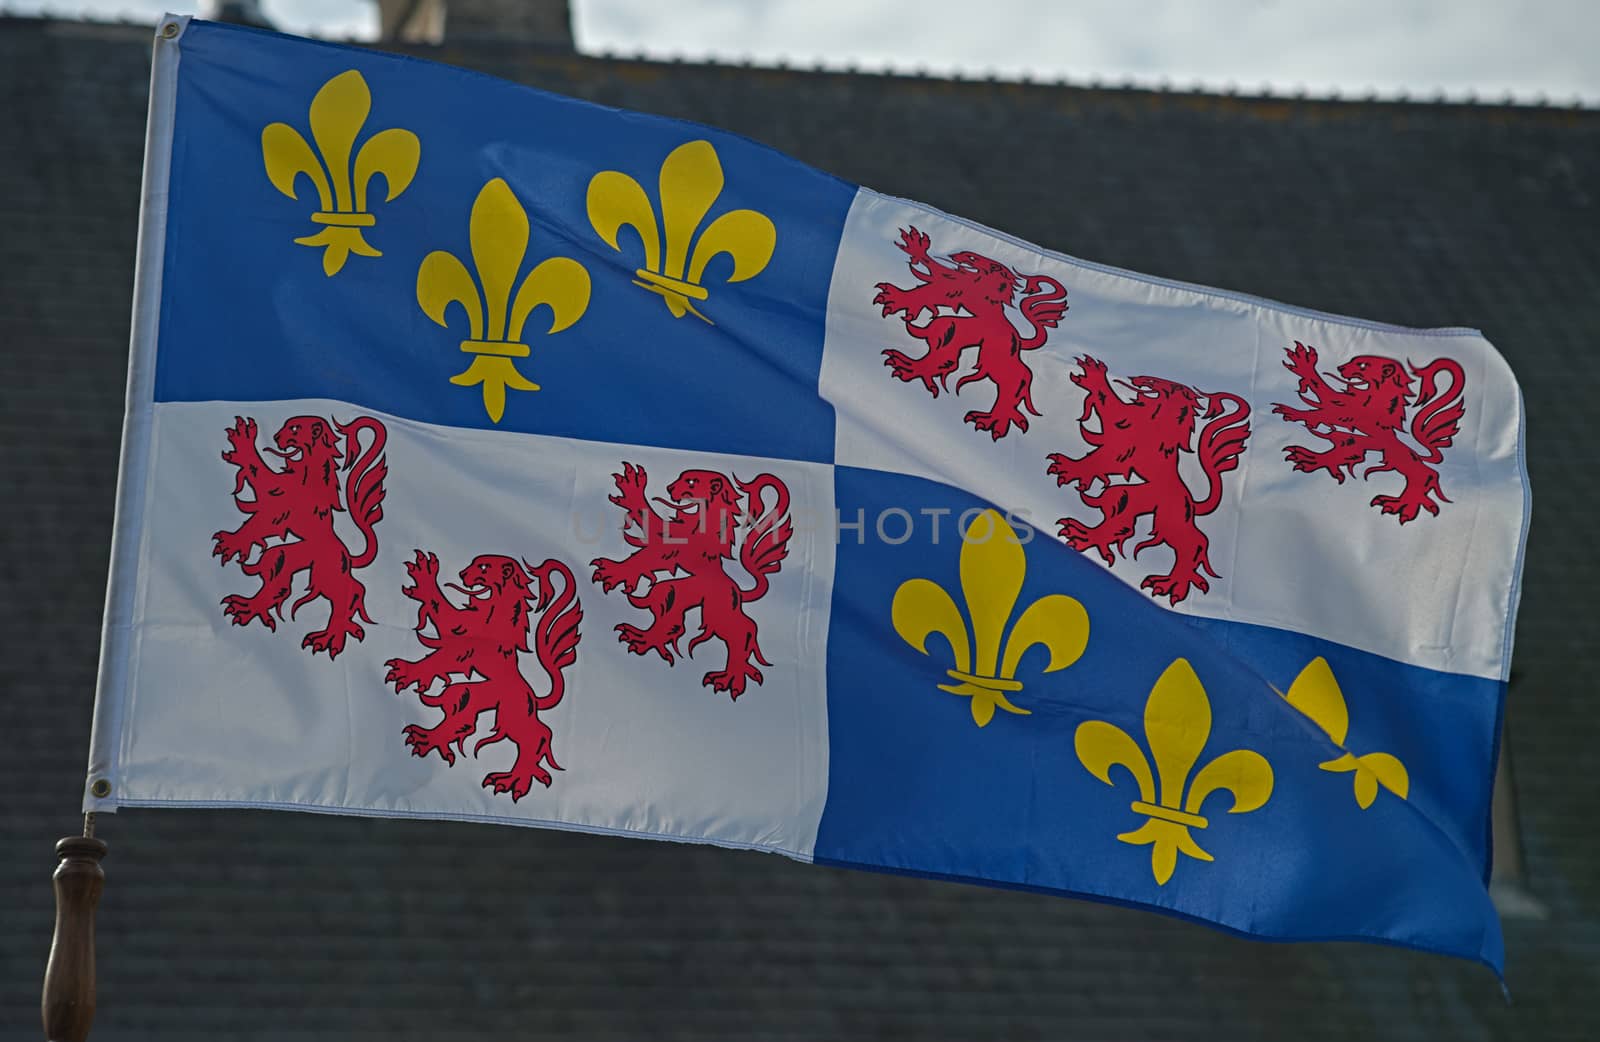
(495, 456)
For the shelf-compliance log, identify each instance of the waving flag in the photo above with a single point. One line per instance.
(499, 457)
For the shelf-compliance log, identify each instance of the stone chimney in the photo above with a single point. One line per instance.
(241, 12)
(544, 23)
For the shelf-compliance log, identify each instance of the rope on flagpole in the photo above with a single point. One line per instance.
(67, 1004)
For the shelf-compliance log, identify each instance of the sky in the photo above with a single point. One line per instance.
(1491, 49)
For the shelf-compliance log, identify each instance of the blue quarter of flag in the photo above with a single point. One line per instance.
(252, 316)
(916, 787)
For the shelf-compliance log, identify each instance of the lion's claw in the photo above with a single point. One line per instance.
(1067, 470)
(906, 368)
(1083, 538)
(1306, 461)
(732, 680)
(1293, 415)
(241, 440)
(997, 422)
(424, 740)
(517, 783)
(609, 575)
(640, 641)
(1174, 587)
(890, 298)
(914, 244)
(630, 491)
(1406, 507)
(423, 569)
(1302, 362)
(230, 545)
(244, 610)
(332, 640)
(401, 676)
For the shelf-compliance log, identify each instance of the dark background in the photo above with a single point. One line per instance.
(259, 925)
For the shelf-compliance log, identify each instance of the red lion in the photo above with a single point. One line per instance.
(1142, 439)
(966, 304)
(696, 539)
(482, 640)
(1367, 415)
(298, 503)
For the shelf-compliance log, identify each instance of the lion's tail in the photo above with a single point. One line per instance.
(1438, 418)
(767, 543)
(1044, 301)
(1221, 444)
(363, 485)
(556, 635)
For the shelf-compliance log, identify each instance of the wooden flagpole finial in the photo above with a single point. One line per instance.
(68, 1002)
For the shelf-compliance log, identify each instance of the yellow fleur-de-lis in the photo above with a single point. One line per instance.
(498, 231)
(1177, 724)
(992, 566)
(342, 181)
(690, 181)
(1316, 693)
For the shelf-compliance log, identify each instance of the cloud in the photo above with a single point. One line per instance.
(1390, 45)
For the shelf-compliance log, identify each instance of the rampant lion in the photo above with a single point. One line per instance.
(297, 504)
(474, 653)
(1367, 415)
(1142, 439)
(966, 303)
(696, 539)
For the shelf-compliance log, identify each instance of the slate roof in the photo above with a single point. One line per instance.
(259, 925)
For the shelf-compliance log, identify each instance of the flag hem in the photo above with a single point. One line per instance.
(1232, 296)
(133, 468)
(1478, 957)
(339, 810)
(1514, 599)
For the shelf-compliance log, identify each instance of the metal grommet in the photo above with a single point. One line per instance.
(100, 789)
(168, 31)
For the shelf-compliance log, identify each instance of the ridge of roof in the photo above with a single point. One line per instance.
(1438, 98)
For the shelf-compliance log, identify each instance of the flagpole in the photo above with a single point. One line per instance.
(67, 1005)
